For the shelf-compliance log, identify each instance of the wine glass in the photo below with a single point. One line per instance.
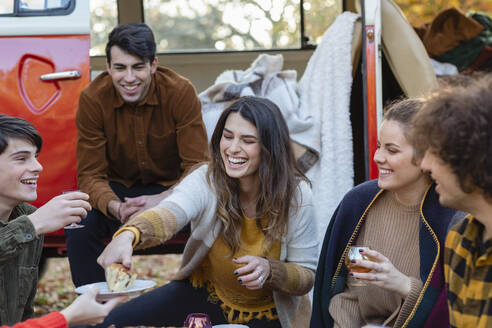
(197, 320)
(72, 225)
(355, 254)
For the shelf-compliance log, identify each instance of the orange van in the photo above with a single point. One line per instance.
(44, 47)
(44, 66)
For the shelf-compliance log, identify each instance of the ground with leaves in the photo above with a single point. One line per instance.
(56, 290)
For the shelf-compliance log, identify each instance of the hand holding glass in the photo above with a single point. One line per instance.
(72, 225)
(355, 254)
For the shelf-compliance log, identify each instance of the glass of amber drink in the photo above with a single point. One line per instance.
(355, 254)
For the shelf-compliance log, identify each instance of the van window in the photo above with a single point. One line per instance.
(6, 8)
(318, 16)
(188, 26)
(104, 17)
(36, 7)
(224, 25)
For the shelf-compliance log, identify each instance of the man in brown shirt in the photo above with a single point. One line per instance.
(140, 130)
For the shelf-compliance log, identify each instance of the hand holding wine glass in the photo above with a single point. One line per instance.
(352, 261)
(376, 269)
(73, 225)
(60, 211)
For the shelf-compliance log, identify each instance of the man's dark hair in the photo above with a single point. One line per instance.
(456, 123)
(134, 38)
(17, 128)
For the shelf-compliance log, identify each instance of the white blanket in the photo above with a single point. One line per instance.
(264, 78)
(325, 95)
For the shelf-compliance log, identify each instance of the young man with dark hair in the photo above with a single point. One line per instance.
(21, 225)
(453, 132)
(140, 130)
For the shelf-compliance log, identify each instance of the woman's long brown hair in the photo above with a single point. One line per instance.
(278, 173)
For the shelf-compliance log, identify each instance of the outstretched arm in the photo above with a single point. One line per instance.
(85, 310)
(119, 250)
(158, 224)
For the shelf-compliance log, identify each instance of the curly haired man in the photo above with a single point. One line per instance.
(453, 133)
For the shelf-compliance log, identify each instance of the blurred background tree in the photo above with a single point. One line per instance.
(103, 19)
(218, 25)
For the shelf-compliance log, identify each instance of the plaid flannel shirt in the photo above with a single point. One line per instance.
(468, 274)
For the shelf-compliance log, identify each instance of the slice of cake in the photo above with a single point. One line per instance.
(119, 278)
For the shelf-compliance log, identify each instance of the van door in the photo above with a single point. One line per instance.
(44, 65)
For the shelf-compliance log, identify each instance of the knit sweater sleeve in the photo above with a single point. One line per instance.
(301, 243)
(186, 202)
(295, 274)
(290, 278)
(409, 302)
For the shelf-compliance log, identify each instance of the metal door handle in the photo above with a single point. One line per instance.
(61, 76)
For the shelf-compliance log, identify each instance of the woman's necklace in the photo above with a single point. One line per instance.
(407, 203)
(248, 209)
(248, 204)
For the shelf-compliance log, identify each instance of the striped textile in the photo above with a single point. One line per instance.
(468, 274)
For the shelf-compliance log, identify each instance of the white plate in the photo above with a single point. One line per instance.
(104, 293)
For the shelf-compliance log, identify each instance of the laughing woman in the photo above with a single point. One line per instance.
(399, 218)
(251, 255)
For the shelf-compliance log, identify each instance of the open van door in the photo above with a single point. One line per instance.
(44, 65)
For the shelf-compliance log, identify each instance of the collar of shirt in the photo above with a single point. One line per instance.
(152, 97)
(482, 249)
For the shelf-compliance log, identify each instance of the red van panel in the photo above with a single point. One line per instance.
(49, 105)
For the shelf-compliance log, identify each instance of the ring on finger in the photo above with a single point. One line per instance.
(376, 278)
(260, 278)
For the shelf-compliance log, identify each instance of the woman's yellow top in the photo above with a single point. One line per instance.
(217, 272)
